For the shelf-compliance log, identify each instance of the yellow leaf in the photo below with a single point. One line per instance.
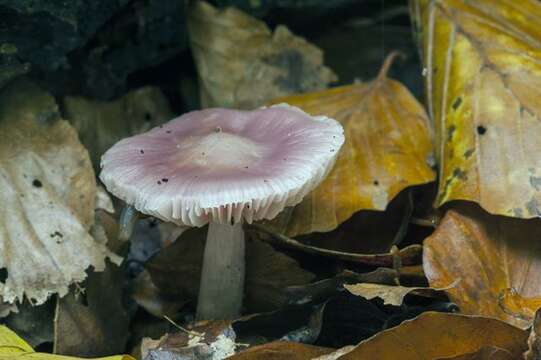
(495, 261)
(483, 82)
(12, 347)
(386, 150)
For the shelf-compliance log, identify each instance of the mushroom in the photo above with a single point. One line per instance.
(223, 167)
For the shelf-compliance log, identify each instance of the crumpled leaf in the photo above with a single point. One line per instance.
(388, 148)
(268, 272)
(496, 261)
(13, 347)
(47, 192)
(242, 64)
(391, 295)
(101, 124)
(205, 340)
(282, 350)
(439, 335)
(98, 328)
(483, 82)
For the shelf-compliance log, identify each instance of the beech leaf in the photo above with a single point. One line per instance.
(387, 149)
(243, 64)
(47, 192)
(495, 261)
(483, 81)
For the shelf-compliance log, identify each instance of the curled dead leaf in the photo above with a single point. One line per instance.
(483, 82)
(242, 64)
(390, 294)
(488, 255)
(387, 149)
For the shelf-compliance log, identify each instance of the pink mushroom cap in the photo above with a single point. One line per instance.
(223, 165)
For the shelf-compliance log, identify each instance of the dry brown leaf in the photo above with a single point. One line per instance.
(47, 192)
(97, 328)
(387, 149)
(435, 335)
(496, 261)
(282, 350)
(242, 64)
(483, 82)
(391, 295)
(101, 124)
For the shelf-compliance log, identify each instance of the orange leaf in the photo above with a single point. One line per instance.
(439, 335)
(488, 255)
(386, 150)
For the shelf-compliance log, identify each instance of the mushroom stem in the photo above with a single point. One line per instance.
(222, 279)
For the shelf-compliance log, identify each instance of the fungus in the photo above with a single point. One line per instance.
(223, 167)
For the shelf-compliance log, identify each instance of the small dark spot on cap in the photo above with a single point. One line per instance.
(202, 153)
(246, 167)
(457, 103)
(332, 150)
(376, 182)
(165, 180)
(159, 182)
(142, 151)
(56, 234)
(481, 130)
(37, 183)
(265, 180)
(218, 129)
(168, 131)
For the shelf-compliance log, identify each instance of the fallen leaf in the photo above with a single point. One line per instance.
(438, 335)
(409, 255)
(321, 290)
(241, 63)
(391, 295)
(268, 272)
(98, 328)
(387, 149)
(205, 340)
(48, 192)
(13, 347)
(483, 82)
(282, 350)
(488, 255)
(101, 124)
(534, 340)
